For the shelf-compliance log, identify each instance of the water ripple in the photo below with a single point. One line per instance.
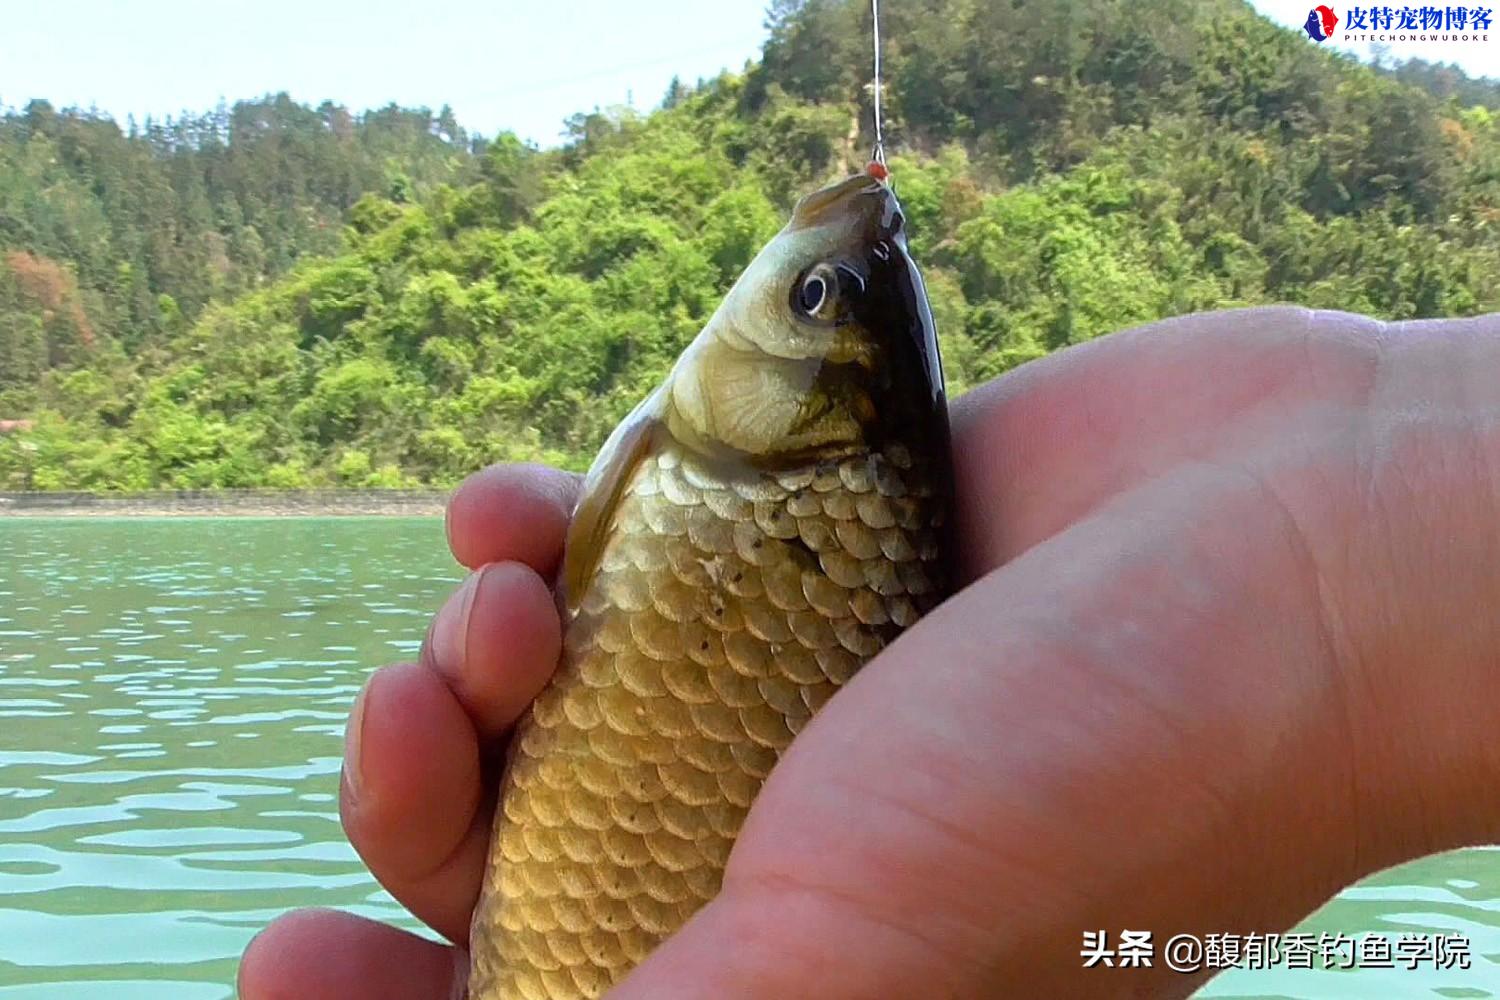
(174, 701)
(173, 696)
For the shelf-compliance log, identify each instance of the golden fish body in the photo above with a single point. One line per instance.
(762, 525)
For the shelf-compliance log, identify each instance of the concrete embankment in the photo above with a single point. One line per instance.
(226, 503)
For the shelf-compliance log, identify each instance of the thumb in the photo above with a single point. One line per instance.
(769, 940)
(1109, 732)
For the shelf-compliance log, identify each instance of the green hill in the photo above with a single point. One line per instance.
(135, 232)
(1069, 167)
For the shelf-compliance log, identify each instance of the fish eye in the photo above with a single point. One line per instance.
(815, 295)
(810, 297)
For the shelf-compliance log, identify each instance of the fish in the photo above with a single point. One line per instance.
(761, 525)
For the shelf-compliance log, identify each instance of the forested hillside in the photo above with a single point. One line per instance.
(111, 235)
(1070, 167)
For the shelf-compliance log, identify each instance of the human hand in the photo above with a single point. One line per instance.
(1233, 661)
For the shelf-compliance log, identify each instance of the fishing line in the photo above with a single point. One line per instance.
(878, 154)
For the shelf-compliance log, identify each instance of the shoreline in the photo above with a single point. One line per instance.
(227, 503)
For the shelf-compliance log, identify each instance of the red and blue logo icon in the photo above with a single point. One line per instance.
(1321, 21)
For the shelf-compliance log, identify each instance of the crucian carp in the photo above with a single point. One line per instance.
(767, 520)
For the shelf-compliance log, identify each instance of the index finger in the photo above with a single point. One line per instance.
(512, 513)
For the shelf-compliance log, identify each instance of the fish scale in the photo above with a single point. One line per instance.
(721, 616)
(754, 531)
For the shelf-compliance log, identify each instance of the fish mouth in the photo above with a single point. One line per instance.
(860, 202)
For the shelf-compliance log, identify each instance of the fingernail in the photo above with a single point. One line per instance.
(450, 629)
(353, 730)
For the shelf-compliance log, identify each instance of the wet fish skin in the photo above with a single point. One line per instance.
(764, 523)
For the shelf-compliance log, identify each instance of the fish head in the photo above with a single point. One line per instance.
(824, 348)
(825, 344)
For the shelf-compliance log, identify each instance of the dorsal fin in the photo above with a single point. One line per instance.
(630, 443)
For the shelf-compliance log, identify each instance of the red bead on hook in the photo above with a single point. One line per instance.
(877, 170)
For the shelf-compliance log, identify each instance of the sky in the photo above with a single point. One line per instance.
(523, 65)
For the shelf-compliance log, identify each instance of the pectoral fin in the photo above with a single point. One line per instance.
(632, 441)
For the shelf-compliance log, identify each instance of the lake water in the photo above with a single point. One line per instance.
(172, 703)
